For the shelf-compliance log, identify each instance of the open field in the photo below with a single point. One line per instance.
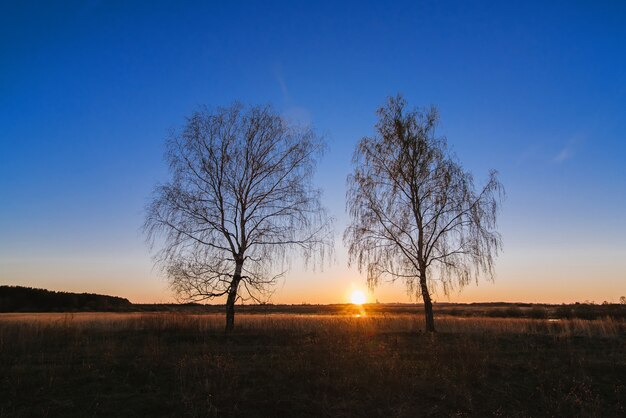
(380, 364)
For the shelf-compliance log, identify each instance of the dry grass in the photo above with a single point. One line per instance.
(177, 364)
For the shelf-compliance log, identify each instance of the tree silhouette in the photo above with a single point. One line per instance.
(415, 213)
(240, 200)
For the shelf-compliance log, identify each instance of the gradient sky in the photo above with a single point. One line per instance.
(536, 90)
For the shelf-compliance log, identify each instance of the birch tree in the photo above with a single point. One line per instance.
(415, 213)
(239, 204)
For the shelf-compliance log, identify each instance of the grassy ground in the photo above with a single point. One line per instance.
(176, 364)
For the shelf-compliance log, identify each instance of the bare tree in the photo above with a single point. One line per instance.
(239, 202)
(415, 214)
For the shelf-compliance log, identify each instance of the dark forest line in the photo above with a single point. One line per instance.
(28, 299)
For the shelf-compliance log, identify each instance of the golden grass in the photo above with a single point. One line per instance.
(606, 327)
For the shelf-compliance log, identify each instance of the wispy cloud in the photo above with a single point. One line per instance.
(569, 151)
(564, 155)
(292, 112)
(550, 151)
(278, 73)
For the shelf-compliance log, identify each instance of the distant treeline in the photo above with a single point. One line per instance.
(493, 309)
(27, 299)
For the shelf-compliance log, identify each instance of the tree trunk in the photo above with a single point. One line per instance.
(428, 305)
(232, 298)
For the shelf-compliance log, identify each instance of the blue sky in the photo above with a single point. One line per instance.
(89, 91)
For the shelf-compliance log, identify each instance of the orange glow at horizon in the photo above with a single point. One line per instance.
(540, 275)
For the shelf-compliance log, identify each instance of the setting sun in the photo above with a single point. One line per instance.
(358, 297)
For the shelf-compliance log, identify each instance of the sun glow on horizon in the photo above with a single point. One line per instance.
(357, 297)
